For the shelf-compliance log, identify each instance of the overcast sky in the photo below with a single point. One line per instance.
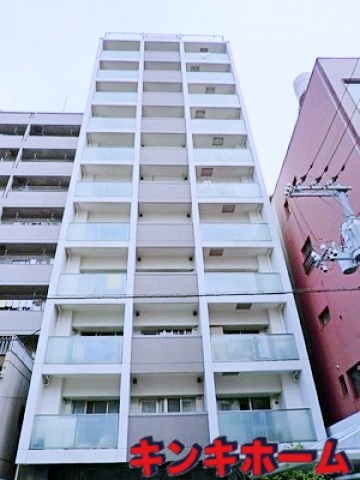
(47, 51)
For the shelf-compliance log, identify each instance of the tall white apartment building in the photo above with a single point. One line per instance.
(168, 312)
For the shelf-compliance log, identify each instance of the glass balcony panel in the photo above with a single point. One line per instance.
(276, 425)
(92, 284)
(111, 123)
(228, 190)
(245, 348)
(207, 57)
(120, 55)
(235, 231)
(219, 126)
(210, 77)
(118, 75)
(242, 282)
(74, 431)
(103, 189)
(219, 155)
(115, 97)
(108, 153)
(84, 350)
(215, 100)
(98, 231)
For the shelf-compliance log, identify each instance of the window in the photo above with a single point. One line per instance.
(307, 250)
(353, 88)
(343, 385)
(209, 90)
(245, 403)
(92, 407)
(204, 50)
(324, 316)
(354, 377)
(168, 405)
(194, 68)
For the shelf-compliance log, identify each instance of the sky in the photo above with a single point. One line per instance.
(48, 47)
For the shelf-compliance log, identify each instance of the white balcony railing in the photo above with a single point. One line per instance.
(74, 432)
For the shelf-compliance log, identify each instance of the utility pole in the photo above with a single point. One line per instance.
(348, 252)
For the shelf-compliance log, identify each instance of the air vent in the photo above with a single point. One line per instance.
(199, 113)
(243, 306)
(194, 68)
(209, 89)
(218, 141)
(216, 252)
(204, 50)
(230, 208)
(206, 172)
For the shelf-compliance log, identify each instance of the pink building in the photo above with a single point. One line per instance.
(325, 144)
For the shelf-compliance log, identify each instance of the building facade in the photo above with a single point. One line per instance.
(168, 312)
(37, 151)
(325, 146)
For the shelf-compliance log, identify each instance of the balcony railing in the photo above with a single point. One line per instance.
(103, 189)
(276, 425)
(253, 348)
(115, 97)
(108, 153)
(228, 190)
(98, 231)
(242, 283)
(33, 305)
(84, 350)
(111, 123)
(40, 188)
(74, 432)
(222, 155)
(235, 231)
(92, 284)
(120, 55)
(26, 260)
(131, 75)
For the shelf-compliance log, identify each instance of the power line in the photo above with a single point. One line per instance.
(303, 177)
(295, 291)
(326, 168)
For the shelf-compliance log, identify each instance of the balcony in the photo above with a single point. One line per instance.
(220, 126)
(213, 100)
(276, 425)
(93, 284)
(111, 232)
(74, 432)
(115, 97)
(163, 156)
(31, 274)
(120, 55)
(103, 189)
(167, 354)
(253, 348)
(222, 156)
(111, 124)
(108, 153)
(170, 234)
(228, 190)
(235, 232)
(206, 57)
(164, 192)
(189, 428)
(242, 282)
(78, 349)
(165, 284)
(210, 77)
